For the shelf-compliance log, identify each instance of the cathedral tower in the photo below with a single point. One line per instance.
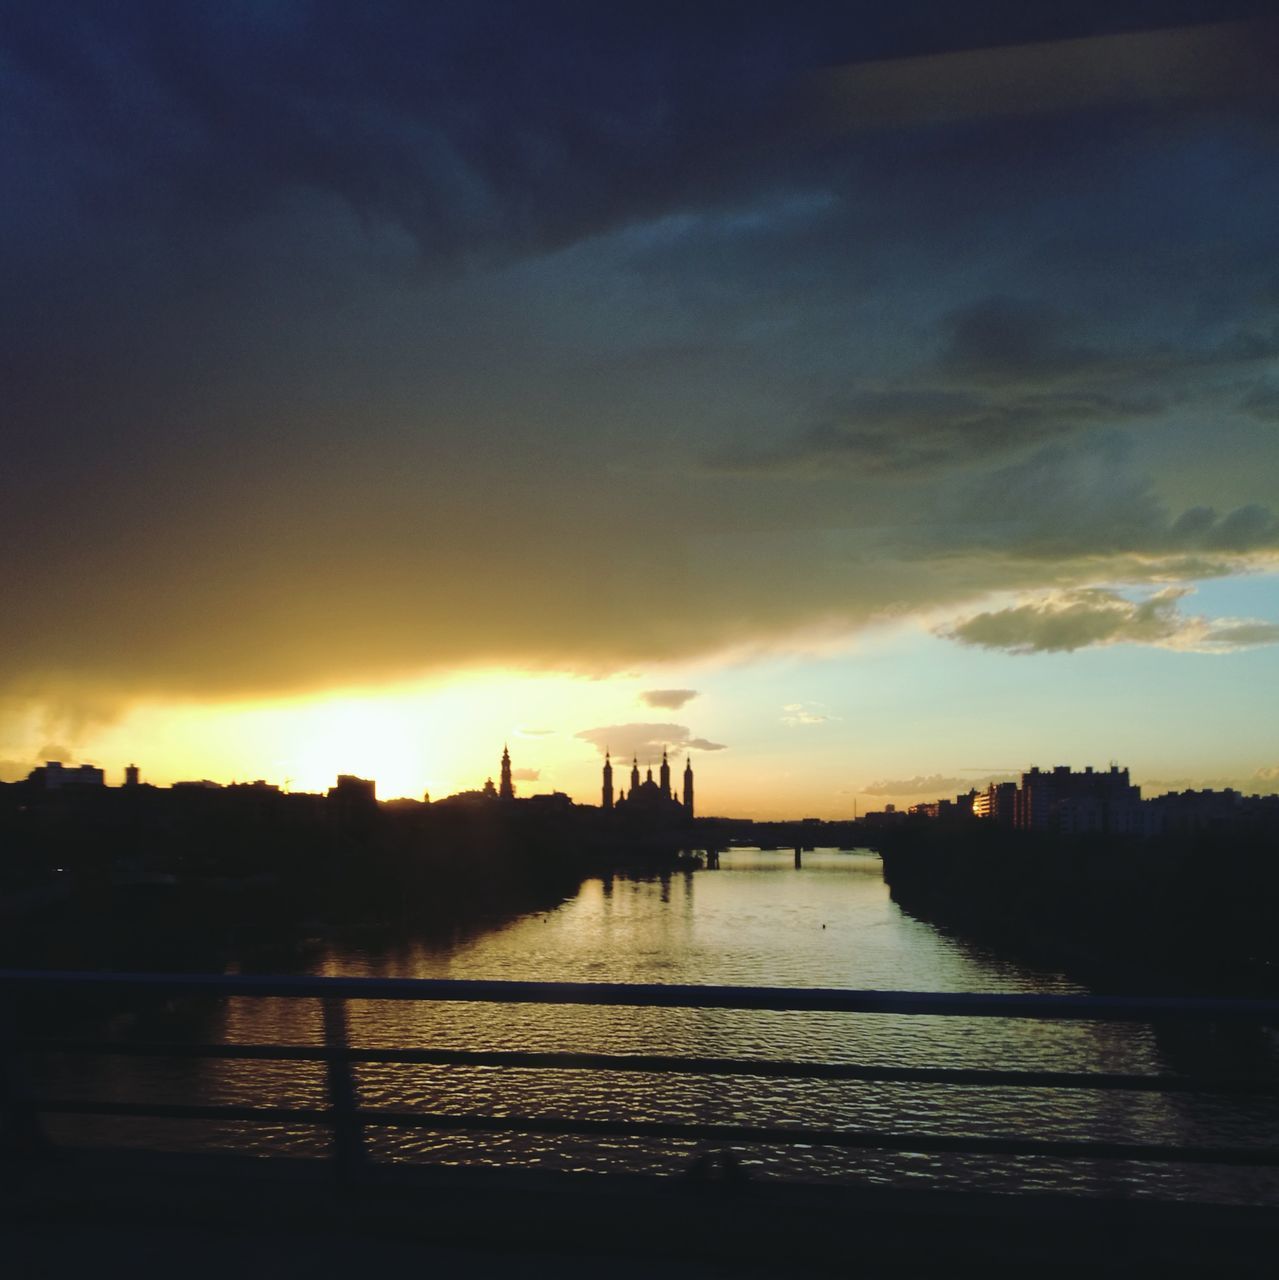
(506, 790)
(635, 773)
(665, 775)
(688, 787)
(608, 782)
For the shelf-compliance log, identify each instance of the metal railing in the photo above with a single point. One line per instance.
(348, 1121)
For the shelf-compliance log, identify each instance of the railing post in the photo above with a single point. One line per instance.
(21, 1134)
(348, 1132)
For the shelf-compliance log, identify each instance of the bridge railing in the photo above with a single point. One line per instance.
(22, 1103)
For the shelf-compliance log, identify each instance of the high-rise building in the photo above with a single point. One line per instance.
(1060, 798)
(997, 803)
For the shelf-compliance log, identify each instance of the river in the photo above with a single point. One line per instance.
(757, 920)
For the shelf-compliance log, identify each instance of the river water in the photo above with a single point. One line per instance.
(757, 920)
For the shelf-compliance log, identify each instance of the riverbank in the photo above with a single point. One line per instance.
(1191, 915)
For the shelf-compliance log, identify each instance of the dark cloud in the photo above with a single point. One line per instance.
(913, 432)
(1263, 402)
(1064, 505)
(1199, 63)
(491, 127)
(1076, 619)
(645, 742)
(1013, 374)
(1013, 341)
(487, 129)
(346, 343)
(668, 699)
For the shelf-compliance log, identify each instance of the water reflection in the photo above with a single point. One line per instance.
(757, 921)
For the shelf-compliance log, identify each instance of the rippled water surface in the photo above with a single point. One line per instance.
(755, 921)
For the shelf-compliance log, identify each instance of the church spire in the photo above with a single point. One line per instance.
(506, 790)
(665, 775)
(688, 787)
(608, 781)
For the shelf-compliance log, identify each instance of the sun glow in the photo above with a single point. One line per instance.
(370, 737)
(437, 737)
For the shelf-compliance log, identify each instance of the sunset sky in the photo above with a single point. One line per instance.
(868, 399)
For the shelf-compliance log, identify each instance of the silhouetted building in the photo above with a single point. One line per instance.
(960, 809)
(888, 816)
(554, 802)
(998, 803)
(1061, 799)
(504, 791)
(53, 775)
(607, 797)
(352, 798)
(649, 799)
(261, 787)
(352, 788)
(1201, 810)
(131, 778)
(484, 796)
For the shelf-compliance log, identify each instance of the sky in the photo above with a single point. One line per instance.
(867, 401)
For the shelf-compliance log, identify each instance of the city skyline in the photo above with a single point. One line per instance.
(981, 795)
(814, 755)
(794, 389)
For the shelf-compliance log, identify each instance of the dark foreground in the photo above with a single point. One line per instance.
(132, 1213)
